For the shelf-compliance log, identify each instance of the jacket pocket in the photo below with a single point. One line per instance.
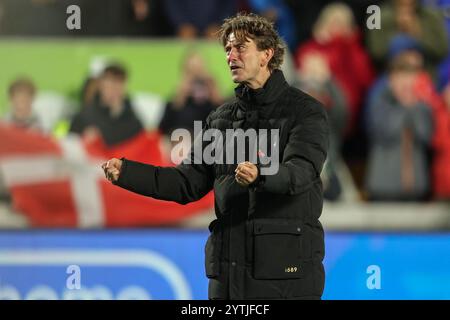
(212, 251)
(277, 249)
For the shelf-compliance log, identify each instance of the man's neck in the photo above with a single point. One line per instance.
(260, 80)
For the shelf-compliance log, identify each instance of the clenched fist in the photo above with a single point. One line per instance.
(112, 169)
(246, 173)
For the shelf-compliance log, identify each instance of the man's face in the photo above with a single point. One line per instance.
(21, 102)
(112, 89)
(244, 59)
(194, 66)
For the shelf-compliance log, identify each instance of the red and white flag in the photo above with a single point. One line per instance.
(60, 183)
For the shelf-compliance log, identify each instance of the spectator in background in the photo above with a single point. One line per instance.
(198, 18)
(440, 103)
(441, 159)
(398, 44)
(400, 127)
(145, 18)
(443, 74)
(22, 93)
(197, 96)
(110, 116)
(315, 78)
(140, 18)
(306, 13)
(409, 17)
(337, 39)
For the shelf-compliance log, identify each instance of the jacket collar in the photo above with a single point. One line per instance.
(266, 95)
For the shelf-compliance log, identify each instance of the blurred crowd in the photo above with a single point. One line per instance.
(387, 90)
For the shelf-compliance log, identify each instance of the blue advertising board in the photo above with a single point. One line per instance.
(409, 266)
(135, 264)
(168, 264)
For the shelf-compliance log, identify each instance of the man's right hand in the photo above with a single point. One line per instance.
(112, 169)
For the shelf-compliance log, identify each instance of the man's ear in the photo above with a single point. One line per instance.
(268, 54)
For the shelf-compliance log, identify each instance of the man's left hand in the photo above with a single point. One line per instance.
(246, 173)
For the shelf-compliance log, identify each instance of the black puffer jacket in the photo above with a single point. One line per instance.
(267, 241)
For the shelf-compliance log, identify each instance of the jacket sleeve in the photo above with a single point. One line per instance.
(386, 120)
(420, 119)
(182, 184)
(304, 154)
(434, 35)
